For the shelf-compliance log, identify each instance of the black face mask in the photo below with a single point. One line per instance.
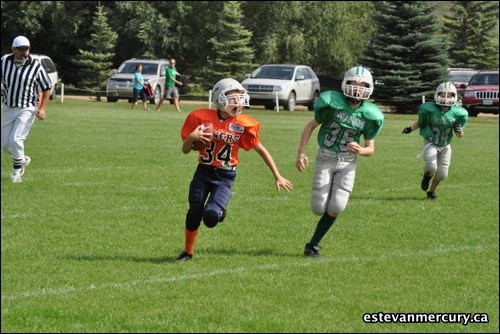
(353, 100)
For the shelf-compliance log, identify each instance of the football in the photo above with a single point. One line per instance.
(199, 145)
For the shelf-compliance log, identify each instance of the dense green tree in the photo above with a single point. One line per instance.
(328, 36)
(146, 32)
(406, 54)
(196, 24)
(470, 27)
(231, 55)
(55, 28)
(337, 34)
(66, 30)
(22, 18)
(95, 60)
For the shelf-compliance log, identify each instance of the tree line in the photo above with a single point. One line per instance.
(407, 47)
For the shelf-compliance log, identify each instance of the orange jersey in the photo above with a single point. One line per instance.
(229, 135)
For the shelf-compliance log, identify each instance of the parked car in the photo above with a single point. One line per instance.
(51, 70)
(460, 78)
(293, 84)
(120, 84)
(481, 95)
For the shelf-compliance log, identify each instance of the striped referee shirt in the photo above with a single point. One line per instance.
(22, 83)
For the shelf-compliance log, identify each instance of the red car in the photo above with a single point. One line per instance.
(481, 95)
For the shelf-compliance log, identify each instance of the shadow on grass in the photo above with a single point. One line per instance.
(249, 252)
(157, 260)
(390, 198)
(171, 259)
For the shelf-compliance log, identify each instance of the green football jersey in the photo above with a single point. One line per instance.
(340, 125)
(437, 126)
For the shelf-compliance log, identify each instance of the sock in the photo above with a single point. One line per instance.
(17, 163)
(323, 226)
(190, 239)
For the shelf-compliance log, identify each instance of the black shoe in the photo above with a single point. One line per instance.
(311, 251)
(425, 182)
(183, 256)
(432, 195)
(222, 215)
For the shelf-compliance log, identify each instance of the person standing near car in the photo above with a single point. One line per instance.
(344, 118)
(23, 78)
(139, 89)
(171, 91)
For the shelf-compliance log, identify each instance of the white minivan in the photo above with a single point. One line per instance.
(51, 70)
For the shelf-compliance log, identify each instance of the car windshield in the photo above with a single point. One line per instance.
(485, 79)
(274, 72)
(460, 77)
(146, 68)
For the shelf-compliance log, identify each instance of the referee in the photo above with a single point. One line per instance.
(23, 78)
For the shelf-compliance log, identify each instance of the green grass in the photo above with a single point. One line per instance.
(90, 236)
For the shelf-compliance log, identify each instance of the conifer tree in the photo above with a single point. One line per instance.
(96, 59)
(471, 30)
(231, 56)
(405, 54)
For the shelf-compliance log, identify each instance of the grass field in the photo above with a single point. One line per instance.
(90, 236)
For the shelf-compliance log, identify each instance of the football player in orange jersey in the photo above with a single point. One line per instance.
(210, 188)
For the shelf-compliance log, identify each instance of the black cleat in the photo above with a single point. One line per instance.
(425, 182)
(183, 256)
(311, 251)
(223, 215)
(432, 195)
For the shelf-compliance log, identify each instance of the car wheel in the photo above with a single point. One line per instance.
(472, 111)
(290, 102)
(310, 106)
(111, 99)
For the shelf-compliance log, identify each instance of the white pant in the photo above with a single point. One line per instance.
(16, 125)
(437, 161)
(333, 181)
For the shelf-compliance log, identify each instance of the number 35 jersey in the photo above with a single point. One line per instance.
(341, 125)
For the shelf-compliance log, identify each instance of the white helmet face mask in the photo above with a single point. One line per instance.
(446, 94)
(358, 75)
(233, 103)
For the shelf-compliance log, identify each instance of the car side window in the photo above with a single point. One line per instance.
(163, 70)
(300, 71)
(307, 73)
(48, 65)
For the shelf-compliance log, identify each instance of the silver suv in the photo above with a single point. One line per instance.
(291, 85)
(51, 70)
(120, 84)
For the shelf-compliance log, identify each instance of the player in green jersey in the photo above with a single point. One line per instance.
(438, 121)
(344, 118)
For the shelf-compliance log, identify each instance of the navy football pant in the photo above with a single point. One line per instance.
(209, 194)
